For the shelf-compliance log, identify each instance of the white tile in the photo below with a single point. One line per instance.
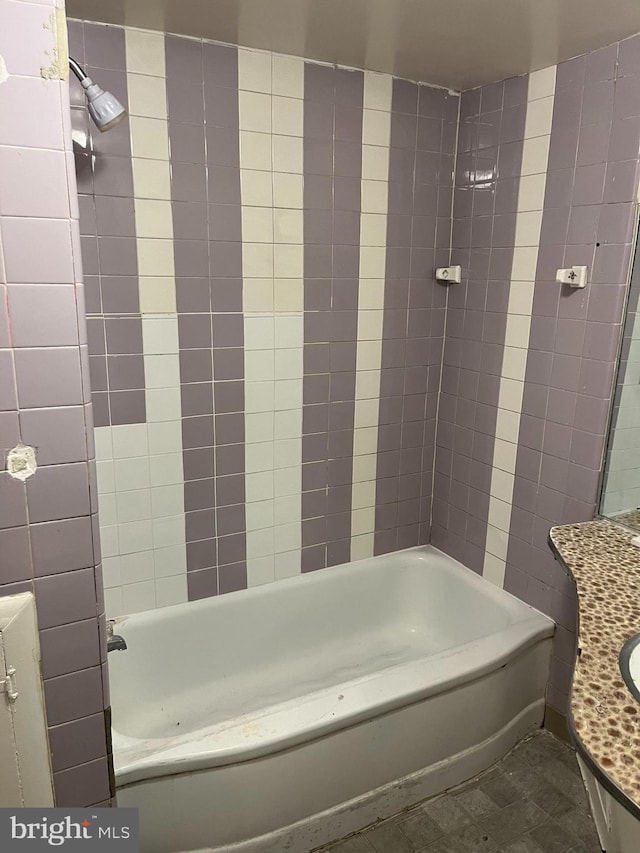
(260, 570)
(168, 531)
(129, 440)
(370, 326)
(256, 187)
(147, 96)
(539, 118)
(377, 91)
(502, 485)
(162, 371)
(288, 295)
(163, 404)
(135, 536)
(288, 423)
(151, 178)
(286, 452)
(149, 138)
(259, 515)
(287, 565)
(504, 455)
(136, 567)
(254, 70)
(542, 83)
(131, 474)
(257, 260)
(497, 542)
(286, 481)
(133, 505)
(510, 395)
(103, 443)
(107, 507)
(105, 474)
(111, 573)
(259, 396)
(288, 190)
(260, 544)
(160, 335)
(528, 225)
(170, 561)
(288, 260)
(259, 456)
(514, 363)
(531, 192)
(165, 437)
(287, 154)
(259, 427)
(288, 76)
(364, 468)
(372, 261)
(113, 604)
(517, 334)
(259, 366)
(363, 495)
(255, 150)
(286, 509)
(376, 127)
(171, 590)
(257, 224)
(288, 228)
(259, 486)
(363, 520)
(138, 597)
(374, 196)
(362, 546)
(535, 155)
(373, 232)
(287, 116)
(167, 500)
(371, 294)
(289, 332)
(287, 394)
(375, 162)
(254, 111)
(288, 363)
(287, 537)
(110, 540)
(367, 384)
(500, 514)
(525, 259)
(494, 570)
(145, 52)
(259, 333)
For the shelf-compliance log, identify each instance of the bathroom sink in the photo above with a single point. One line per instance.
(630, 665)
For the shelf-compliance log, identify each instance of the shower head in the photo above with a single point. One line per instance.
(105, 110)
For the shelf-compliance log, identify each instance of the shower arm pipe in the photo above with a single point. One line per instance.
(77, 70)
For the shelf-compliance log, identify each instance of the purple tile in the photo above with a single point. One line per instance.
(61, 546)
(59, 435)
(232, 577)
(43, 315)
(58, 492)
(48, 377)
(78, 742)
(83, 785)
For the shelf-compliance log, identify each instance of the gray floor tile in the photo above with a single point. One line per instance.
(522, 845)
(475, 802)
(389, 838)
(448, 814)
(533, 801)
(580, 824)
(552, 837)
(498, 788)
(513, 820)
(419, 829)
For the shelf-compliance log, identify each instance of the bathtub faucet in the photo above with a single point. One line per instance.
(115, 643)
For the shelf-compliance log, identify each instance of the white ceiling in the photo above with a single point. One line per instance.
(453, 43)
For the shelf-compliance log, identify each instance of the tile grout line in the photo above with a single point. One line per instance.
(371, 282)
(528, 224)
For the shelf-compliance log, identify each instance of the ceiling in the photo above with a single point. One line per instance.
(455, 43)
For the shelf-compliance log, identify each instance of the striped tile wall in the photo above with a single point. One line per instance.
(265, 207)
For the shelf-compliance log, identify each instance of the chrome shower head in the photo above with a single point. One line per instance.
(105, 109)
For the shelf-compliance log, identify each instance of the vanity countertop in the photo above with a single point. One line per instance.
(606, 716)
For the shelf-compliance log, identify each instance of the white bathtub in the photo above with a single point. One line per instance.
(285, 716)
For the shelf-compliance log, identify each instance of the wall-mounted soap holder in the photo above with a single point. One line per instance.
(449, 274)
(573, 276)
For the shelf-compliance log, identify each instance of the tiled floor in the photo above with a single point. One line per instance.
(533, 801)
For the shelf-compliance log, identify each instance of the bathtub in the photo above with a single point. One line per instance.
(288, 715)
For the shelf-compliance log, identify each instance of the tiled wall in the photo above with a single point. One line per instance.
(520, 441)
(49, 541)
(264, 329)
(621, 486)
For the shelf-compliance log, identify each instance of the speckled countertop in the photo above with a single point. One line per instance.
(606, 717)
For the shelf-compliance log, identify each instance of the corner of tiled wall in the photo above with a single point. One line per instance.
(49, 538)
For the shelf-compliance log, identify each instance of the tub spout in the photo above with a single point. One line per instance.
(115, 643)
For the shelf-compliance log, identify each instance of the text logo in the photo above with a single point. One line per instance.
(70, 830)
